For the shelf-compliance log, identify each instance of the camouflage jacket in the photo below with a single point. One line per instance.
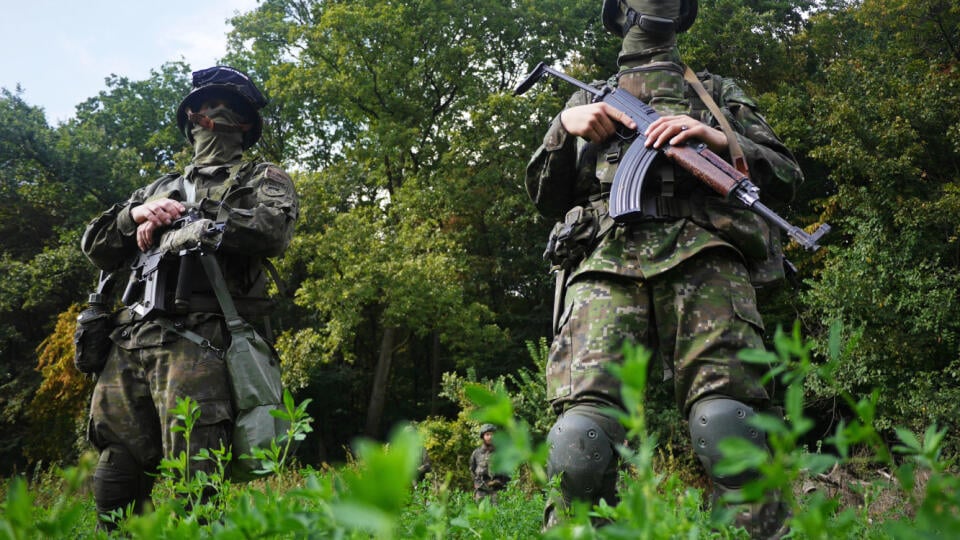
(259, 211)
(483, 480)
(568, 172)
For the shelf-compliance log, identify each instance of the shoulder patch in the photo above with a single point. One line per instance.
(275, 183)
(277, 174)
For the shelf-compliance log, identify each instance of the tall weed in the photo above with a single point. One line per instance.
(378, 496)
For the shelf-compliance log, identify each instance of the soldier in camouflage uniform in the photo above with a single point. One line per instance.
(247, 212)
(679, 280)
(485, 484)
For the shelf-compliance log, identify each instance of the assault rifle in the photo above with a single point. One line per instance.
(147, 288)
(150, 280)
(706, 166)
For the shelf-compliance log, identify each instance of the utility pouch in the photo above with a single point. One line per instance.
(92, 337)
(255, 384)
(572, 239)
(257, 391)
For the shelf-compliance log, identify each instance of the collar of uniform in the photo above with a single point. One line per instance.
(191, 171)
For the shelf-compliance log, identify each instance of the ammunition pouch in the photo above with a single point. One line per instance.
(92, 339)
(572, 239)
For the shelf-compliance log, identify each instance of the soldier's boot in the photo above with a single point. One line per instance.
(715, 418)
(582, 449)
(119, 483)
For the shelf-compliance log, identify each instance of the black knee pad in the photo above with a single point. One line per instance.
(583, 451)
(713, 419)
(119, 481)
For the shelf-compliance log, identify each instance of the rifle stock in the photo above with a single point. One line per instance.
(706, 166)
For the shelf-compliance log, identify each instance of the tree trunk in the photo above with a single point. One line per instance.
(434, 373)
(378, 394)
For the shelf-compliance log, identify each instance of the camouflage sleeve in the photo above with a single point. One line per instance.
(772, 166)
(477, 479)
(552, 175)
(261, 223)
(109, 240)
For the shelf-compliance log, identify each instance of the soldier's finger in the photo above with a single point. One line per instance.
(623, 118)
(164, 217)
(601, 128)
(174, 208)
(152, 216)
(654, 137)
(594, 135)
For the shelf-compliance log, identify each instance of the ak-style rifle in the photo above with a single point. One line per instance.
(706, 166)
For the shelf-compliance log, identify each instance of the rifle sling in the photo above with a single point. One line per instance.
(189, 335)
(736, 153)
(219, 285)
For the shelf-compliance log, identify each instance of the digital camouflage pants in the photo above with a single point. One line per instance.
(695, 318)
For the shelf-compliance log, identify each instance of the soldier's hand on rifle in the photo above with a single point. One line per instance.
(678, 129)
(145, 235)
(153, 215)
(596, 122)
(160, 212)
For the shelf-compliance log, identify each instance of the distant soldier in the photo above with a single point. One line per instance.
(678, 278)
(485, 484)
(168, 343)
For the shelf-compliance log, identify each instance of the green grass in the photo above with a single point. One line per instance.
(375, 496)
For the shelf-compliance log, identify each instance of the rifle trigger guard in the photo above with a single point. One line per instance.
(626, 134)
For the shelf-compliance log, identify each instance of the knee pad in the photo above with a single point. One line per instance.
(716, 418)
(582, 450)
(119, 481)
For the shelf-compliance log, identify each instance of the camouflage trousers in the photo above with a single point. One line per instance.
(695, 317)
(148, 369)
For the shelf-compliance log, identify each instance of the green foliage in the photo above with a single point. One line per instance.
(450, 442)
(62, 400)
(276, 458)
(747, 40)
(888, 138)
(409, 154)
(376, 496)
(138, 119)
(27, 513)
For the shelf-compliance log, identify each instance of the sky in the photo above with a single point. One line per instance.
(61, 51)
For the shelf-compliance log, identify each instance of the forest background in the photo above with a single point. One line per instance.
(418, 253)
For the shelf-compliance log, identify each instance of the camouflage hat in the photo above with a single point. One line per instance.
(232, 86)
(487, 428)
(661, 17)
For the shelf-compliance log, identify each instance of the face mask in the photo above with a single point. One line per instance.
(656, 78)
(217, 147)
(654, 37)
